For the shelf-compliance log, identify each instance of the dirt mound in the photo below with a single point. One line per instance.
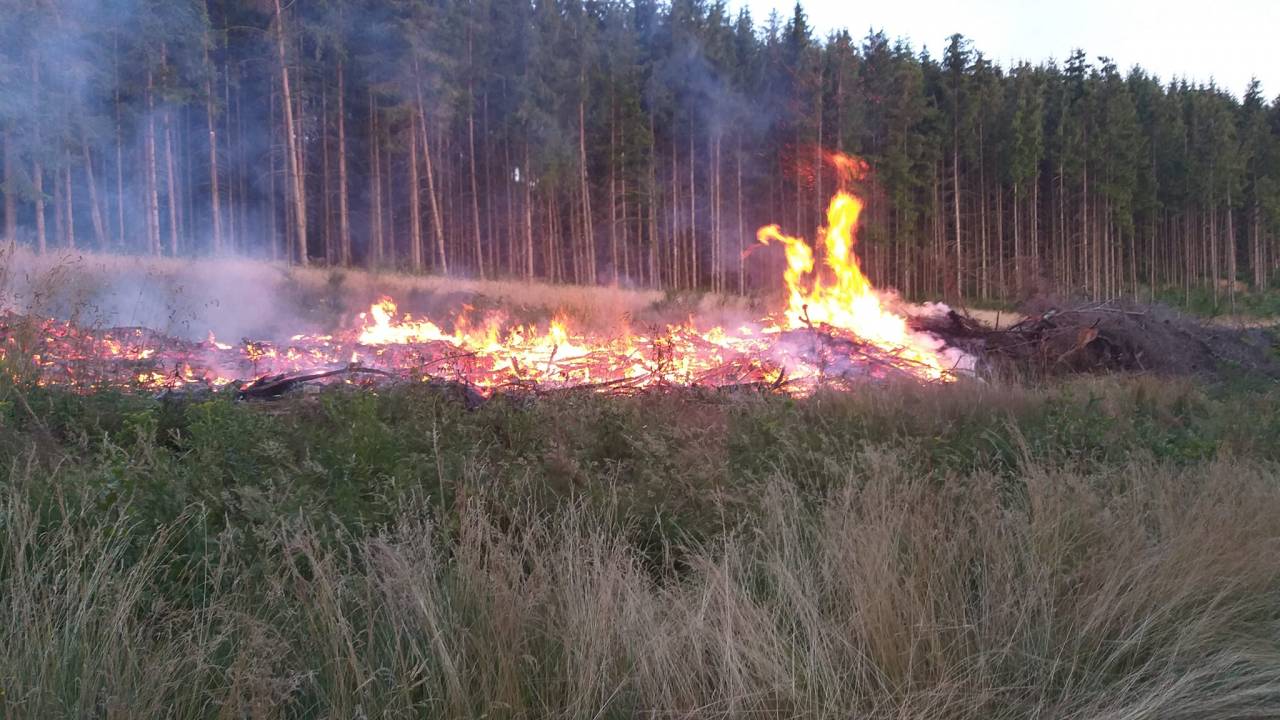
(1057, 337)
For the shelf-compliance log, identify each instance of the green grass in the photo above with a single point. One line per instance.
(1096, 548)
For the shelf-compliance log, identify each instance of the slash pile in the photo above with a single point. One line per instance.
(386, 347)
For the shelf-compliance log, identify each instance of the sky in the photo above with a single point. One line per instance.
(1228, 41)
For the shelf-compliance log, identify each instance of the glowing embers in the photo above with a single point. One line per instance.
(490, 353)
(487, 355)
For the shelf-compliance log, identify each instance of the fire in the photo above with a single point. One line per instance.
(214, 342)
(845, 299)
(834, 328)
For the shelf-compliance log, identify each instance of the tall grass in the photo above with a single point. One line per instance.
(1139, 592)
(1106, 549)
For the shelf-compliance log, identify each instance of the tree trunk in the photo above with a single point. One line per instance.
(1231, 250)
(1259, 261)
(375, 194)
(475, 189)
(717, 262)
(551, 256)
(983, 272)
(1017, 245)
(577, 232)
(998, 256)
(742, 262)
(655, 277)
(183, 144)
(152, 178)
(182, 141)
(115, 55)
(588, 232)
(37, 171)
(344, 209)
(1151, 257)
(95, 208)
(955, 188)
(1089, 276)
(527, 177)
(626, 236)
(693, 218)
(66, 193)
(817, 160)
(493, 248)
(68, 205)
(415, 209)
(273, 212)
(326, 197)
(1034, 238)
(509, 207)
(613, 195)
(938, 248)
(390, 206)
(172, 183)
(1213, 246)
(717, 229)
(1063, 270)
(798, 173)
(234, 131)
(10, 203)
(296, 181)
(436, 220)
(675, 273)
(59, 210)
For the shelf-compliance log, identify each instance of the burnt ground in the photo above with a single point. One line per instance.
(1060, 337)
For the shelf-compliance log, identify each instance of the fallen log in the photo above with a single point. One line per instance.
(273, 386)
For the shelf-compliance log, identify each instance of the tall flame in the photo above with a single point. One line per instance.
(842, 297)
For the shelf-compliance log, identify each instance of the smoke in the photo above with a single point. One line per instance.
(84, 83)
(239, 299)
(232, 298)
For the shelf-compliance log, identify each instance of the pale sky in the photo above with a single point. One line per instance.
(1227, 40)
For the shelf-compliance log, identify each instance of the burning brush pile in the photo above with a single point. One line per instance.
(835, 330)
(386, 346)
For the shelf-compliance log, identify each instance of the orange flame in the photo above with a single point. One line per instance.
(843, 297)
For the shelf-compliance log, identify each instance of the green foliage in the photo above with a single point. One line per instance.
(350, 460)
(348, 553)
(1203, 301)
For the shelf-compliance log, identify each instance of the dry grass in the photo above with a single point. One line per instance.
(1142, 591)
